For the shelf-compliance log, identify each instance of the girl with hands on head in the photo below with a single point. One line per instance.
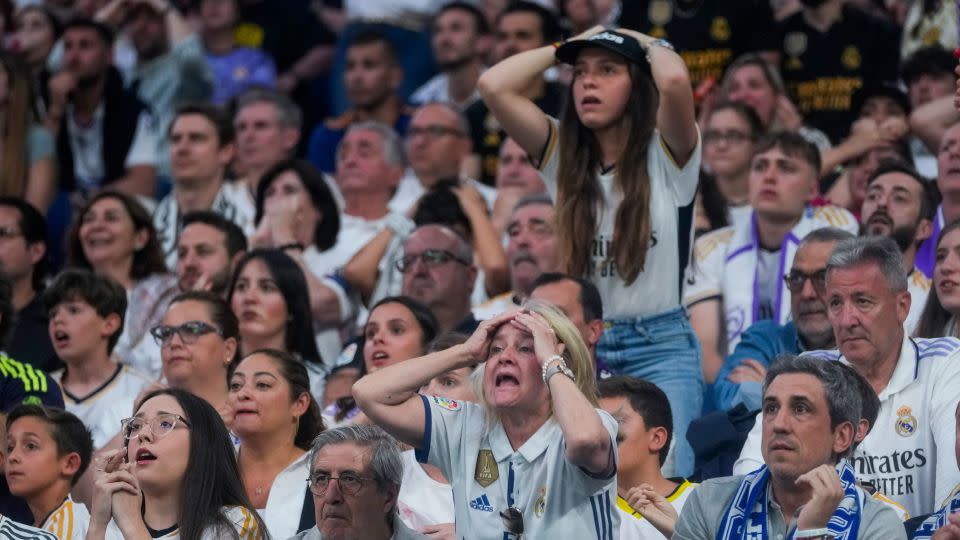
(537, 397)
(142, 490)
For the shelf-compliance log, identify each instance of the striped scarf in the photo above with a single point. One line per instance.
(937, 520)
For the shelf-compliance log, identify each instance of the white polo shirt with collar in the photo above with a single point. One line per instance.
(556, 498)
(909, 453)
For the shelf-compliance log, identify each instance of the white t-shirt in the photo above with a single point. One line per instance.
(285, 502)
(633, 526)
(233, 201)
(909, 453)
(69, 521)
(103, 409)
(437, 90)
(557, 499)
(672, 190)
(423, 501)
(726, 265)
(86, 143)
(243, 522)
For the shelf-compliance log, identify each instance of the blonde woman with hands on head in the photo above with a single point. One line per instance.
(622, 166)
(535, 456)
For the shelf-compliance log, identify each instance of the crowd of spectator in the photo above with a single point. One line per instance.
(479, 269)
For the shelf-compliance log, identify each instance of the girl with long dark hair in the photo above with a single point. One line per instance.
(175, 477)
(622, 165)
(939, 317)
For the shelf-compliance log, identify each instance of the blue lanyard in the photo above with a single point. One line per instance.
(510, 499)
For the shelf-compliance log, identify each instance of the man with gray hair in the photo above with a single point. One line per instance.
(355, 474)
(810, 416)
(438, 271)
(909, 454)
(267, 125)
(809, 329)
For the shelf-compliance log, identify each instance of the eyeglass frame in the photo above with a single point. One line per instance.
(178, 331)
(177, 419)
(818, 279)
(311, 482)
(403, 267)
(434, 131)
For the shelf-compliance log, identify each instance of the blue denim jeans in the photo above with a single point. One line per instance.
(662, 349)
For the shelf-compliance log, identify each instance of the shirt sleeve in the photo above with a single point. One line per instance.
(143, 150)
(943, 397)
(587, 483)
(757, 343)
(681, 180)
(40, 144)
(705, 275)
(444, 423)
(549, 158)
(880, 522)
(691, 524)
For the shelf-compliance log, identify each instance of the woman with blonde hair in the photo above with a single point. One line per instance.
(535, 446)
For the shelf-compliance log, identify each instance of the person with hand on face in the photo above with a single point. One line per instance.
(199, 340)
(355, 478)
(113, 235)
(47, 450)
(915, 379)
(622, 166)
(276, 419)
(176, 476)
(207, 251)
(807, 489)
(534, 410)
(741, 377)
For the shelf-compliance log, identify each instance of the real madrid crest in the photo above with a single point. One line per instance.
(851, 57)
(720, 29)
(795, 43)
(906, 424)
(540, 506)
(487, 471)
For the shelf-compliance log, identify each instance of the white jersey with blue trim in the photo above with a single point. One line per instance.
(556, 498)
(672, 191)
(726, 262)
(909, 453)
(103, 409)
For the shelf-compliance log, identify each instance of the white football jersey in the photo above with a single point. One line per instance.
(69, 521)
(243, 522)
(103, 409)
(633, 526)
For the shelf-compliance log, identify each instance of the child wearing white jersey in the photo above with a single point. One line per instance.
(48, 450)
(622, 165)
(87, 313)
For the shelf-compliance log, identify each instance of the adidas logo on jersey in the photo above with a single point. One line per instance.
(481, 503)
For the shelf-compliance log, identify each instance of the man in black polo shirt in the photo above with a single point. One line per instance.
(829, 51)
(521, 27)
(708, 34)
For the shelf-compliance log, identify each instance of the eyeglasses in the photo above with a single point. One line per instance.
(160, 425)
(434, 132)
(512, 520)
(9, 232)
(189, 332)
(431, 257)
(795, 280)
(350, 483)
(711, 136)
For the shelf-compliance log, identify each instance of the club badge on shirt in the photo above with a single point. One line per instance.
(540, 506)
(906, 424)
(487, 471)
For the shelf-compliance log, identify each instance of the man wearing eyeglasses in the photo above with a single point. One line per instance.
(741, 377)
(438, 271)
(899, 203)
(437, 142)
(736, 277)
(355, 475)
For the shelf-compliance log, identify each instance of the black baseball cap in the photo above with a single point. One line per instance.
(611, 40)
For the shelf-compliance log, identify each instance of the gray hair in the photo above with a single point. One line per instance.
(825, 235)
(463, 250)
(288, 113)
(393, 152)
(535, 198)
(879, 250)
(385, 461)
(842, 395)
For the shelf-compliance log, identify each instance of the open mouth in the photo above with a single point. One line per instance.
(60, 338)
(504, 380)
(144, 456)
(590, 100)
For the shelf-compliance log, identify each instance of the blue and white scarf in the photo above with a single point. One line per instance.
(939, 519)
(746, 518)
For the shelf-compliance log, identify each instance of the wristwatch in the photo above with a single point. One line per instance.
(559, 367)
